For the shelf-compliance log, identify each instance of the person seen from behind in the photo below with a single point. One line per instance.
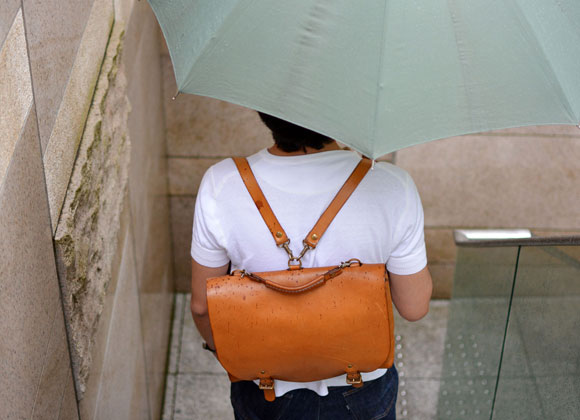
(382, 222)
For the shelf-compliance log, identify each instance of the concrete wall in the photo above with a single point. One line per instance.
(86, 280)
(525, 177)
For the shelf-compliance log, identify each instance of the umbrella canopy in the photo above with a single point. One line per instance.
(381, 75)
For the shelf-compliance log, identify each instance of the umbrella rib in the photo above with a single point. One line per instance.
(210, 45)
(461, 61)
(380, 84)
(548, 67)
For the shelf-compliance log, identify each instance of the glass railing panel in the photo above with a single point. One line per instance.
(475, 332)
(540, 371)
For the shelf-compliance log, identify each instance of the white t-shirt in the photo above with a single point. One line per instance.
(382, 221)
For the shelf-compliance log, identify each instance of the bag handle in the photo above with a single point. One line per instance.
(323, 222)
(317, 281)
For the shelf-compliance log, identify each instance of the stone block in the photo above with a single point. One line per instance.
(442, 275)
(156, 281)
(30, 307)
(69, 408)
(169, 400)
(495, 181)
(163, 45)
(179, 311)
(15, 89)
(141, 35)
(518, 398)
(542, 322)
(53, 34)
(418, 399)
(94, 366)
(440, 245)
(204, 127)
(123, 389)
(148, 176)
(56, 378)
(85, 237)
(61, 149)
(193, 358)
(182, 208)
(389, 157)
(544, 232)
(185, 174)
(420, 361)
(538, 130)
(123, 9)
(558, 396)
(8, 11)
(202, 397)
(155, 309)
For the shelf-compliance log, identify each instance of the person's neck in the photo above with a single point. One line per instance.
(275, 150)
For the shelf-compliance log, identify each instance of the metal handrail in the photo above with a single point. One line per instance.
(463, 238)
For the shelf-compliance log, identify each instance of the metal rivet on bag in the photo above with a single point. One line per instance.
(314, 236)
(278, 234)
(262, 372)
(349, 366)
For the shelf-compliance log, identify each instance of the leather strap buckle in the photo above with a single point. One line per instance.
(354, 378)
(266, 383)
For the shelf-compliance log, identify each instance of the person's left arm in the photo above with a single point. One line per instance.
(199, 276)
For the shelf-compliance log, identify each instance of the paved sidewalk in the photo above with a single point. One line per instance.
(198, 388)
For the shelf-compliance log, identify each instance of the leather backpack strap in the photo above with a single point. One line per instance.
(260, 200)
(323, 222)
(334, 207)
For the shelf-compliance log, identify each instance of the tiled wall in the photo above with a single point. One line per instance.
(525, 177)
(51, 61)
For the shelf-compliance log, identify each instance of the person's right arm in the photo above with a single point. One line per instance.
(411, 293)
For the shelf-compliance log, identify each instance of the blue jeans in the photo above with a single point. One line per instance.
(374, 400)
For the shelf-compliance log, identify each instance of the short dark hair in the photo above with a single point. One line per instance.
(291, 137)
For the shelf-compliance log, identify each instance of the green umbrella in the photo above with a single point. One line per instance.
(380, 75)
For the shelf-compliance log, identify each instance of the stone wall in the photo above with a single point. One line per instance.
(516, 178)
(86, 278)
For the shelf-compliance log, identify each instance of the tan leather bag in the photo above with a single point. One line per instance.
(302, 324)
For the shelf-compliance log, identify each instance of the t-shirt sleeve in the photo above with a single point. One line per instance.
(207, 236)
(409, 255)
